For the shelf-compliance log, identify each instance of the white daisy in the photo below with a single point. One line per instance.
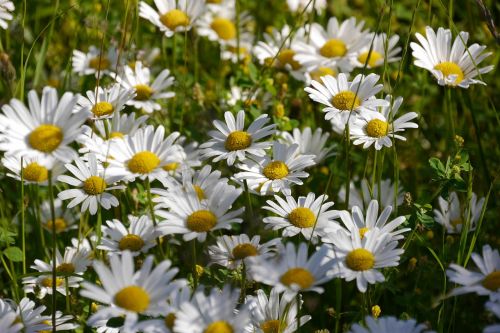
(294, 271)
(146, 93)
(232, 142)
(363, 198)
(35, 169)
(452, 215)
(300, 5)
(172, 16)
(93, 62)
(9, 323)
(268, 175)
(389, 324)
(138, 238)
(382, 51)
(74, 261)
(6, 9)
(184, 156)
(220, 25)
(309, 143)
(92, 183)
(484, 282)
(104, 103)
(203, 181)
(46, 129)
(452, 65)
(64, 218)
(230, 51)
(31, 317)
(380, 128)
(493, 307)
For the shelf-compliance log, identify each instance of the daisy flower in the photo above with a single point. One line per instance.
(203, 181)
(306, 215)
(230, 50)
(129, 293)
(172, 16)
(268, 175)
(309, 143)
(46, 129)
(452, 65)
(300, 5)
(294, 271)
(31, 317)
(214, 313)
(10, 324)
(484, 282)
(341, 96)
(232, 251)
(232, 142)
(382, 51)
(452, 215)
(184, 156)
(363, 197)
(138, 238)
(93, 62)
(146, 93)
(74, 261)
(35, 169)
(193, 218)
(389, 324)
(360, 258)
(6, 9)
(104, 103)
(64, 218)
(92, 185)
(278, 313)
(493, 307)
(380, 128)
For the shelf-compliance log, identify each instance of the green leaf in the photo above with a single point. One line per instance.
(13, 253)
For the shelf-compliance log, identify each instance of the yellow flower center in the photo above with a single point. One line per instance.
(46, 138)
(214, 1)
(143, 162)
(35, 172)
(456, 223)
(143, 92)
(131, 242)
(492, 281)
(66, 268)
(171, 166)
(224, 28)
(116, 135)
(302, 217)
(174, 19)
(46, 322)
(132, 298)
(60, 224)
(201, 221)
(286, 57)
(372, 60)
(47, 282)
(377, 128)
(346, 100)
(299, 276)
(241, 251)
(362, 232)
(94, 185)
(322, 71)
(276, 170)
(333, 48)
(219, 327)
(99, 63)
(102, 109)
(170, 320)
(360, 260)
(199, 192)
(450, 68)
(271, 326)
(238, 140)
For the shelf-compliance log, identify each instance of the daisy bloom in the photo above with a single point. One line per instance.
(203, 181)
(278, 313)
(93, 62)
(64, 218)
(389, 324)
(214, 313)
(294, 271)
(268, 175)
(46, 129)
(484, 282)
(232, 251)
(104, 103)
(74, 261)
(309, 143)
(493, 307)
(6, 9)
(92, 185)
(382, 51)
(232, 142)
(31, 317)
(300, 5)
(230, 50)
(220, 25)
(452, 215)
(35, 169)
(138, 238)
(9, 323)
(172, 16)
(306, 215)
(452, 65)
(146, 93)
(363, 197)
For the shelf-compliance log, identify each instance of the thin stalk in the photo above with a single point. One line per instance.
(338, 303)
(54, 249)
(152, 212)
(23, 221)
(195, 274)
(347, 164)
(451, 119)
(243, 282)
(297, 299)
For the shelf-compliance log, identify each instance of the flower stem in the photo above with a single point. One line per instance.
(195, 274)
(54, 249)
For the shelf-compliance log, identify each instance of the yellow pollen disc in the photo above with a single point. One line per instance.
(271, 326)
(214, 1)
(224, 28)
(456, 223)
(286, 57)
(238, 140)
(99, 63)
(219, 327)
(143, 162)
(131, 242)
(241, 251)
(47, 282)
(492, 281)
(346, 100)
(199, 192)
(201, 221)
(360, 260)
(116, 135)
(170, 320)
(377, 128)
(333, 48)
(174, 19)
(362, 232)
(94, 185)
(35, 172)
(171, 166)
(46, 322)
(66, 268)
(299, 276)
(372, 61)
(275, 170)
(143, 92)
(102, 109)
(450, 68)
(322, 71)
(302, 217)
(132, 298)
(46, 138)
(60, 224)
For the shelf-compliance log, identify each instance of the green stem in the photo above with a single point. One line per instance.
(54, 249)
(338, 303)
(23, 222)
(195, 274)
